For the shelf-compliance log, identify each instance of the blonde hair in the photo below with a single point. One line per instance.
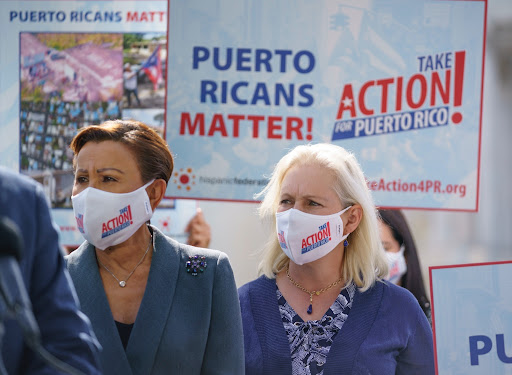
(364, 261)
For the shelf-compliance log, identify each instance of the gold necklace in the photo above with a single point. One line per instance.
(311, 293)
(122, 283)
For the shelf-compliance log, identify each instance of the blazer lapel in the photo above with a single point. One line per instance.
(156, 304)
(365, 307)
(94, 304)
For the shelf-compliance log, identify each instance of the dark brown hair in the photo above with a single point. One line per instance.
(413, 278)
(152, 153)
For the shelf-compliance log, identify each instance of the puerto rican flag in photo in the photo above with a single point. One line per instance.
(153, 67)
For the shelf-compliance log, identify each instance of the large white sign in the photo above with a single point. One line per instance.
(397, 82)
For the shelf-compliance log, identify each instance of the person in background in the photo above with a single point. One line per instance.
(65, 331)
(130, 84)
(157, 306)
(198, 229)
(321, 305)
(404, 264)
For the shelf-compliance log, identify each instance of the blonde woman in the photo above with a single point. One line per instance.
(320, 305)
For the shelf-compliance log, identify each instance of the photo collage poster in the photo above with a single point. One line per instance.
(72, 65)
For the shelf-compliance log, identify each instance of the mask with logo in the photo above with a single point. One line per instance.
(397, 265)
(305, 237)
(106, 219)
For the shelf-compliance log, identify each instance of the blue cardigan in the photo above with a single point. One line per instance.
(185, 325)
(386, 333)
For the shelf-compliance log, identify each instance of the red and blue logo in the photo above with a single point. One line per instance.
(118, 223)
(80, 223)
(427, 97)
(317, 239)
(282, 240)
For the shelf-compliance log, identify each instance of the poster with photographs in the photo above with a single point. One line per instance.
(70, 66)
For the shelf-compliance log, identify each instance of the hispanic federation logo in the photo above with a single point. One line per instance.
(184, 179)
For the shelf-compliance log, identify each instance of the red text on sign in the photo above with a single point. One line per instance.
(258, 126)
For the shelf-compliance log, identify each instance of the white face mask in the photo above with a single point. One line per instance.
(305, 237)
(107, 219)
(397, 265)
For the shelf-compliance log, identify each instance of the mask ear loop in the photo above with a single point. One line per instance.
(148, 223)
(345, 243)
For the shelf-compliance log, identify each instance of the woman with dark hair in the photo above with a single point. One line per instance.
(156, 305)
(404, 264)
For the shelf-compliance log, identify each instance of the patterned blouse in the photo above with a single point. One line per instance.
(310, 341)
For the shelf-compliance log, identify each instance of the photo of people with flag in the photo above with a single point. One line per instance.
(153, 68)
(144, 56)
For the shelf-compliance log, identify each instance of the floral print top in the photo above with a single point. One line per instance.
(310, 341)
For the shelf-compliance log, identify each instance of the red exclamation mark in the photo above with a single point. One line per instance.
(458, 85)
(309, 135)
(130, 214)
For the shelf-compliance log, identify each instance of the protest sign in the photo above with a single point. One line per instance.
(398, 83)
(64, 66)
(472, 318)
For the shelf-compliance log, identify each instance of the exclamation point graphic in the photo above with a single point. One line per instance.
(458, 85)
(309, 136)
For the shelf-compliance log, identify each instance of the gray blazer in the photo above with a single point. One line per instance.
(185, 325)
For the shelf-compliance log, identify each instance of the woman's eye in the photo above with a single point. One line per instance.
(80, 179)
(313, 203)
(284, 201)
(108, 179)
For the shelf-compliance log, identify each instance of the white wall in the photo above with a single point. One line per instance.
(236, 230)
(442, 237)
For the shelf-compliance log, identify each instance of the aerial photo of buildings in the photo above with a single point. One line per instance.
(72, 80)
(72, 67)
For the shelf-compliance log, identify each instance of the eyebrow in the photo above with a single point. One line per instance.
(314, 197)
(309, 197)
(101, 170)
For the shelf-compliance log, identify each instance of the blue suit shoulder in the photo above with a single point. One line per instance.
(65, 331)
(399, 293)
(256, 283)
(19, 195)
(401, 301)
